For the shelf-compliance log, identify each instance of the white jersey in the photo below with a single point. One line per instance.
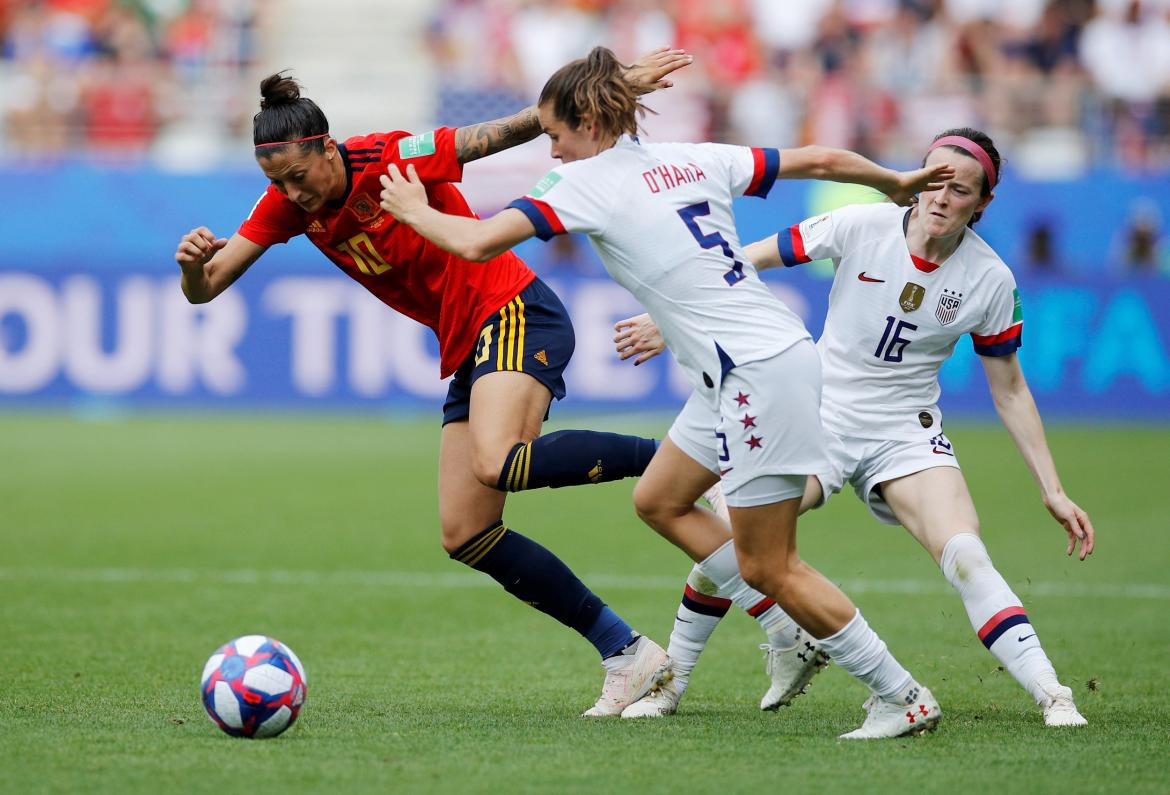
(894, 318)
(660, 217)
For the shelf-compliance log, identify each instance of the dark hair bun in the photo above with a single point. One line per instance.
(277, 89)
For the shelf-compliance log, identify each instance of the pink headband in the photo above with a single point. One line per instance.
(970, 147)
(294, 141)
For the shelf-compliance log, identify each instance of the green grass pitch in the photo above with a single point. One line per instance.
(132, 549)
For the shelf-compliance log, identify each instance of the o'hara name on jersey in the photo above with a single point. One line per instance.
(668, 176)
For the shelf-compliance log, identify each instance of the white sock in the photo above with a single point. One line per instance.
(698, 614)
(722, 568)
(997, 615)
(859, 650)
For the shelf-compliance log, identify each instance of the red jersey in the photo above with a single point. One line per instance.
(452, 296)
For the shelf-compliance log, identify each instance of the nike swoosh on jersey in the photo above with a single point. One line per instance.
(723, 472)
(865, 278)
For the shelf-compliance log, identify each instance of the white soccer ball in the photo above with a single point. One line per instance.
(254, 686)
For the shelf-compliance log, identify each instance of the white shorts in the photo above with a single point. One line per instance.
(766, 437)
(867, 463)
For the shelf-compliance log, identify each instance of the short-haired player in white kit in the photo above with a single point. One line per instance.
(660, 217)
(908, 284)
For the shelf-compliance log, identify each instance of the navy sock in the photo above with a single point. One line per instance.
(534, 575)
(572, 458)
(610, 634)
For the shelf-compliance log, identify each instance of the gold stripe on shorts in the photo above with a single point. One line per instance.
(520, 342)
(502, 343)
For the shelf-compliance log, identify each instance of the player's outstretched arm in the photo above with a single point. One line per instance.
(841, 165)
(473, 239)
(1017, 410)
(211, 264)
(646, 74)
(638, 336)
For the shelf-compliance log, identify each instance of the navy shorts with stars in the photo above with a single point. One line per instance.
(530, 334)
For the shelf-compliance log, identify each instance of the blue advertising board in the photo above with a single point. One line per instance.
(1091, 348)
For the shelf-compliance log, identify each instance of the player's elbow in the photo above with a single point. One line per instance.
(479, 254)
(809, 162)
(477, 250)
(822, 161)
(196, 296)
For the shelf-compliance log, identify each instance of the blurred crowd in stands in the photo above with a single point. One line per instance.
(1063, 84)
(112, 78)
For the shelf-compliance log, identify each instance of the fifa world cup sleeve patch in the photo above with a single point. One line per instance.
(545, 184)
(416, 146)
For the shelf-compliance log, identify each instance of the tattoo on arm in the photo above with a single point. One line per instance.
(480, 140)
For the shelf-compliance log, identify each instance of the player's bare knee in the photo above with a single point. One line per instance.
(656, 508)
(772, 575)
(758, 574)
(455, 533)
(486, 462)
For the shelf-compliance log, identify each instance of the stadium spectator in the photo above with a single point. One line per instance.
(1144, 250)
(1039, 249)
(91, 76)
(1093, 74)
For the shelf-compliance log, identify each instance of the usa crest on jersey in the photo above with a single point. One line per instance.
(948, 306)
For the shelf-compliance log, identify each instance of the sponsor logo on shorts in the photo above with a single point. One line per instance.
(541, 357)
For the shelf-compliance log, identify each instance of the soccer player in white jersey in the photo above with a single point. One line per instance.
(908, 285)
(660, 217)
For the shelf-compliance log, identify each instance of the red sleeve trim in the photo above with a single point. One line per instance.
(1001, 337)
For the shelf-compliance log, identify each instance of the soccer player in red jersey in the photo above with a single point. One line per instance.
(504, 335)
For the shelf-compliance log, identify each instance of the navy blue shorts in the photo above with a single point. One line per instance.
(531, 334)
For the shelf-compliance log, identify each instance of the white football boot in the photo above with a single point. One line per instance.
(890, 719)
(659, 702)
(640, 667)
(1060, 709)
(791, 670)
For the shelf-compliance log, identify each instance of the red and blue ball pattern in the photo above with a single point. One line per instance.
(254, 686)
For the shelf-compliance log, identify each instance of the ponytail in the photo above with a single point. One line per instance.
(594, 86)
